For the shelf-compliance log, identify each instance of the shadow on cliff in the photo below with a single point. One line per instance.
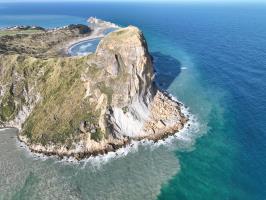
(167, 69)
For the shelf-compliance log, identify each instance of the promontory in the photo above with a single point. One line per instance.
(82, 105)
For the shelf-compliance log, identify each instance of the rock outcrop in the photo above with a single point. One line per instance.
(95, 22)
(82, 106)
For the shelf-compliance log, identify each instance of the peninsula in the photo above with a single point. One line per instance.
(85, 105)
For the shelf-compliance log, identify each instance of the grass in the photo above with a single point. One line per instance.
(97, 136)
(7, 107)
(15, 32)
(106, 90)
(125, 109)
(58, 116)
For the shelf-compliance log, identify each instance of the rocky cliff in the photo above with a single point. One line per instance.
(82, 106)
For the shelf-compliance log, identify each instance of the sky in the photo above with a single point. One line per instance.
(161, 1)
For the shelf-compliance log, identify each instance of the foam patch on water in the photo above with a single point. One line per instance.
(36, 156)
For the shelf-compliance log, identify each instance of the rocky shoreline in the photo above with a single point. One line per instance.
(113, 145)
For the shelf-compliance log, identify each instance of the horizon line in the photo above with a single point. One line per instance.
(140, 1)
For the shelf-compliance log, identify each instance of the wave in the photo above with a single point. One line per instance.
(37, 156)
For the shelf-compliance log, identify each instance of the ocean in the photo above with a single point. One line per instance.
(212, 57)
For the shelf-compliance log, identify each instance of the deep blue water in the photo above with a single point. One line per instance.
(213, 58)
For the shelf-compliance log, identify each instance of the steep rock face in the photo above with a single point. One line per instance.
(87, 105)
(125, 53)
(125, 57)
(18, 95)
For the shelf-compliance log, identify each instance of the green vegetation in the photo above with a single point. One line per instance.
(97, 136)
(15, 32)
(56, 118)
(7, 107)
(120, 32)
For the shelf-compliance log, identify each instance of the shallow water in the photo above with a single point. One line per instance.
(84, 47)
(87, 47)
(212, 57)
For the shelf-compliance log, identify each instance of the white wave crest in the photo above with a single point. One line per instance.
(182, 140)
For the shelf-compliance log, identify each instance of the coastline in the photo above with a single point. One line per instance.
(112, 146)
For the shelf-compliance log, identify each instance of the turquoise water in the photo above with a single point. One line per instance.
(212, 58)
(87, 46)
(84, 47)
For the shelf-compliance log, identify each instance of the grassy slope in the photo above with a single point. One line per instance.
(57, 80)
(56, 118)
(14, 32)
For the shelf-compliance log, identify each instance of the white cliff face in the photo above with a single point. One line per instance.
(131, 123)
(17, 98)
